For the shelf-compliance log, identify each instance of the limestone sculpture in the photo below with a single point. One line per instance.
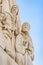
(16, 46)
(24, 46)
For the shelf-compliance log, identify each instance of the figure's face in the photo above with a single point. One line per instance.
(26, 27)
(14, 10)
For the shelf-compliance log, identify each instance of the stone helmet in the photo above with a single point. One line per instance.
(14, 9)
(25, 27)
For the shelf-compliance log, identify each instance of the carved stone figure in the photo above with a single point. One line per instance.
(16, 18)
(16, 46)
(11, 3)
(7, 31)
(6, 37)
(24, 47)
(5, 59)
(7, 5)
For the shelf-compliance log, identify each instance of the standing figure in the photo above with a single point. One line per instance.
(6, 37)
(7, 40)
(7, 5)
(11, 3)
(24, 47)
(15, 19)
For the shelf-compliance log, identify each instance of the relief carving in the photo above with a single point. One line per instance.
(15, 39)
(24, 46)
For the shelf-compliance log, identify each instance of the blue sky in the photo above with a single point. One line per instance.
(32, 11)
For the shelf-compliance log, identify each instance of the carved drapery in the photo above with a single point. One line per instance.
(16, 46)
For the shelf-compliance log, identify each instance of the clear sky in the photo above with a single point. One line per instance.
(32, 11)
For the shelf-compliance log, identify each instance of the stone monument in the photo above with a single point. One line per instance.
(16, 47)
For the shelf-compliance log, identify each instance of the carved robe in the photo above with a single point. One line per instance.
(5, 59)
(22, 54)
(7, 38)
(7, 4)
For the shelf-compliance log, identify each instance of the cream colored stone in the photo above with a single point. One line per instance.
(6, 43)
(7, 5)
(16, 19)
(24, 47)
(15, 42)
(6, 38)
(25, 31)
(25, 27)
(11, 3)
(5, 59)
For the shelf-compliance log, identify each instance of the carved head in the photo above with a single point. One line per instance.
(14, 9)
(2, 18)
(25, 27)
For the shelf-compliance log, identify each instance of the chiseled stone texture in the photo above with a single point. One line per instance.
(5, 59)
(16, 46)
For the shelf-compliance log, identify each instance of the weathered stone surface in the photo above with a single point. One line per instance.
(24, 47)
(5, 59)
(16, 47)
